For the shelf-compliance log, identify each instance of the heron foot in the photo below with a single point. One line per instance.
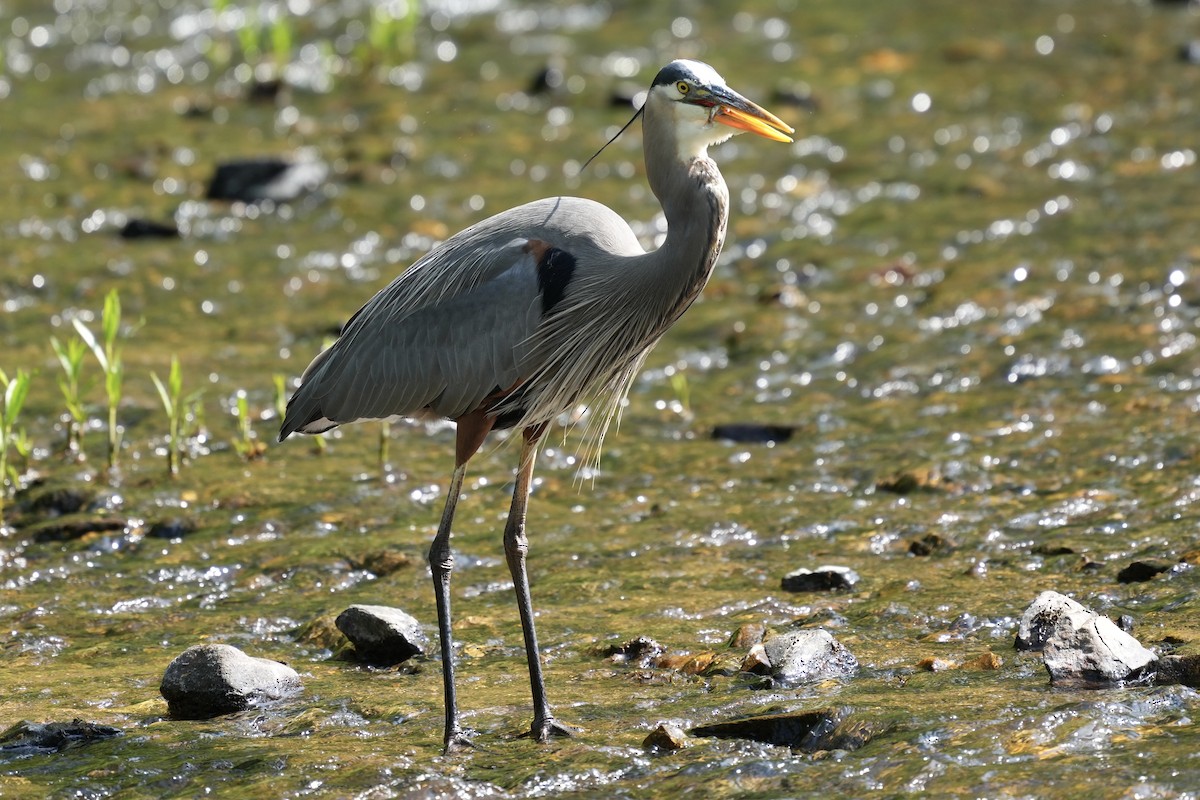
(458, 742)
(544, 730)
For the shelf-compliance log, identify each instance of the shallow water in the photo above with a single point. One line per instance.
(976, 267)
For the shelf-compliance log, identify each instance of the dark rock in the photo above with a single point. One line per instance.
(147, 229)
(174, 528)
(927, 545)
(1125, 623)
(53, 737)
(805, 656)
(1041, 617)
(1139, 571)
(62, 500)
(806, 731)
(921, 479)
(1178, 669)
(208, 680)
(1049, 550)
(71, 529)
(625, 94)
(641, 650)
(749, 433)
(1189, 52)
(548, 80)
(821, 579)
(274, 179)
(795, 94)
(665, 739)
(381, 635)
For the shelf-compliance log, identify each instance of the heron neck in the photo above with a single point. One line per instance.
(695, 202)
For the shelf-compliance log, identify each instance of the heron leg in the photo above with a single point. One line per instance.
(516, 546)
(441, 564)
(472, 430)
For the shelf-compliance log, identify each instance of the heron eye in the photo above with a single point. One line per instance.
(683, 87)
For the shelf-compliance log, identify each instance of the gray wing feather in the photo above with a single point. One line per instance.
(398, 358)
(461, 323)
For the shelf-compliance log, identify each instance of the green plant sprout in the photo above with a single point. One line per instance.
(391, 33)
(171, 395)
(70, 358)
(109, 358)
(16, 389)
(246, 443)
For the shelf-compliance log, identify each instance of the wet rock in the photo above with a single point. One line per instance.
(1139, 571)
(821, 579)
(807, 655)
(1189, 52)
(381, 635)
(1050, 550)
(320, 632)
(987, 660)
(665, 739)
(935, 664)
(61, 500)
(28, 738)
(749, 433)
(1125, 623)
(688, 663)
(209, 680)
(747, 635)
(72, 529)
(756, 661)
(1085, 648)
(806, 731)
(1178, 669)
(381, 563)
(642, 651)
(258, 179)
(173, 528)
(1041, 617)
(921, 479)
(927, 545)
(147, 229)
(548, 80)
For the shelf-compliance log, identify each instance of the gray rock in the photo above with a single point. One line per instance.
(382, 635)
(821, 579)
(808, 655)
(1088, 649)
(208, 680)
(1042, 617)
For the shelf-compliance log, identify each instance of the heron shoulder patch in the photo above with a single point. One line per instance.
(555, 268)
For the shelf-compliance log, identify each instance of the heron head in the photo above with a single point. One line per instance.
(705, 110)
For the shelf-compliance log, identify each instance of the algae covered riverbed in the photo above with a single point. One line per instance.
(966, 301)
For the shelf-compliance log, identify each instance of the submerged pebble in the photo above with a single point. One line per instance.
(53, 737)
(806, 731)
(209, 680)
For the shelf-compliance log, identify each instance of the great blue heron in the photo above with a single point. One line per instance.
(515, 320)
